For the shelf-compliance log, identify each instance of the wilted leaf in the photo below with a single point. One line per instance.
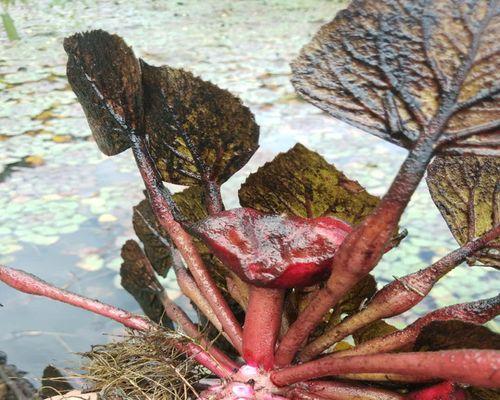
(455, 334)
(106, 78)
(467, 192)
(155, 240)
(197, 130)
(372, 331)
(404, 68)
(139, 280)
(301, 180)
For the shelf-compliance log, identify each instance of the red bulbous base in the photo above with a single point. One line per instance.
(272, 250)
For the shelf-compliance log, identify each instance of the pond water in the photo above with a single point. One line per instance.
(65, 209)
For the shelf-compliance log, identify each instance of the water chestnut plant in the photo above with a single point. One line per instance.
(280, 283)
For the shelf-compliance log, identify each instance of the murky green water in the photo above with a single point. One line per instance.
(65, 209)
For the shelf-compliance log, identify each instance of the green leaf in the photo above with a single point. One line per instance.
(139, 280)
(10, 28)
(106, 78)
(198, 132)
(466, 191)
(400, 69)
(301, 180)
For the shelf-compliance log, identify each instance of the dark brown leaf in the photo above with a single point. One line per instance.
(300, 182)
(402, 68)
(454, 334)
(106, 78)
(467, 192)
(197, 130)
(139, 280)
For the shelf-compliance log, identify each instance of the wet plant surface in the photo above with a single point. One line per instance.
(66, 209)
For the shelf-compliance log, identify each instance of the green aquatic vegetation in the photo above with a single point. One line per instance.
(281, 281)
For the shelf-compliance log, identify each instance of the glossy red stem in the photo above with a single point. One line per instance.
(30, 284)
(398, 296)
(262, 326)
(360, 251)
(476, 312)
(474, 367)
(184, 243)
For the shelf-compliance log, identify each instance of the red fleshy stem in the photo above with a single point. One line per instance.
(362, 249)
(346, 391)
(184, 243)
(398, 296)
(28, 283)
(262, 326)
(476, 312)
(474, 367)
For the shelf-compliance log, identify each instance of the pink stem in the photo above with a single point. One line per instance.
(347, 391)
(184, 243)
(398, 296)
(474, 367)
(30, 284)
(362, 248)
(476, 312)
(262, 326)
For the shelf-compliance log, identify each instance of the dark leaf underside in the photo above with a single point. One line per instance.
(106, 78)
(391, 67)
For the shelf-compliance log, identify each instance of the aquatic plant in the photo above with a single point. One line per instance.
(293, 264)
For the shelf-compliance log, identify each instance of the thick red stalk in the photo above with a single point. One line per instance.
(398, 296)
(262, 326)
(474, 367)
(30, 284)
(347, 391)
(361, 250)
(476, 312)
(183, 241)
